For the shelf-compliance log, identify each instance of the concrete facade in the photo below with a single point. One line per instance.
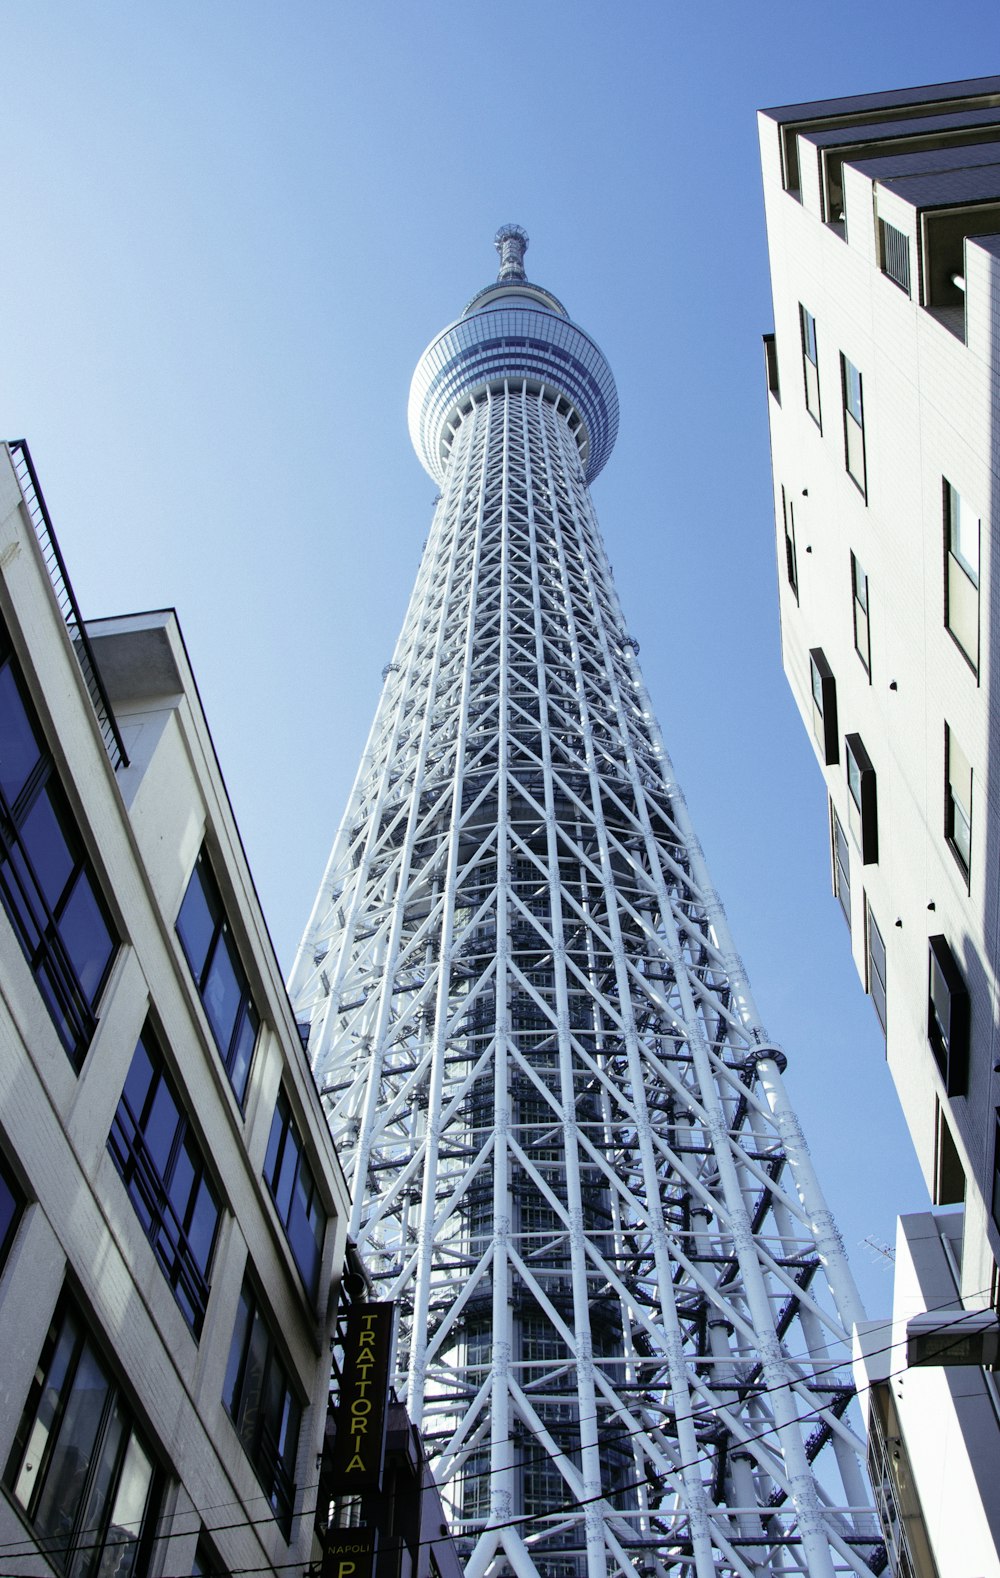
(80, 1254)
(883, 373)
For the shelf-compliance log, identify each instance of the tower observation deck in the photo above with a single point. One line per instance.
(625, 1309)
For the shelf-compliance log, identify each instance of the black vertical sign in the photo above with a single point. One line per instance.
(348, 1553)
(359, 1447)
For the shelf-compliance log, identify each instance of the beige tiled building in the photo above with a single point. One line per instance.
(883, 218)
(171, 1208)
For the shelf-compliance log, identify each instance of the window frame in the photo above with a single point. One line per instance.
(285, 1131)
(791, 550)
(854, 425)
(810, 364)
(962, 580)
(862, 798)
(948, 1016)
(149, 1185)
(10, 1185)
(841, 856)
(70, 1344)
(861, 615)
(823, 695)
(237, 1051)
(274, 1466)
(876, 976)
(957, 815)
(43, 883)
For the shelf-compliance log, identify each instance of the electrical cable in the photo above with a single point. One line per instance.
(524, 1518)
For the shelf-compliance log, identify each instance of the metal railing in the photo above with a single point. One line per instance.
(34, 503)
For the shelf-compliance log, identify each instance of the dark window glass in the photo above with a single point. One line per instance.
(996, 1173)
(79, 1468)
(11, 1206)
(162, 1167)
(219, 975)
(206, 1563)
(841, 866)
(862, 807)
(47, 884)
(259, 1398)
(961, 586)
(824, 700)
(791, 555)
(293, 1190)
(876, 969)
(854, 424)
(948, 1017)
(958, 802)
(810, 362)
(862, 635)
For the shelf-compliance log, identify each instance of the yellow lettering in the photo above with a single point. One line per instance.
(359, 1427)
(361, 1405)
(357, 1461)
(344, 1569)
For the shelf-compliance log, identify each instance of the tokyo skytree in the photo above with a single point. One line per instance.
(624, 1308)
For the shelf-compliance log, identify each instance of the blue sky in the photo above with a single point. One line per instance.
(229, 231)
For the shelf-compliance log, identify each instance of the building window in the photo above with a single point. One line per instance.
(47, 883)
(262, 1405)
(876, 967)
(11, 1207)
(996, 1174)
(841, 865)
(862, 633)
(894, 255)
(162, 1166)
(79, 1467)
(810, 364)
(206, 1564)
(293, 1190)
(948, 1017)
(961, 577)
(958, 802)
(949, 1174)
(791, 555)
(862, 807)
(824, 706)
(854, 424)
(219, 975)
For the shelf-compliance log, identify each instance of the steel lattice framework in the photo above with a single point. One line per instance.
(625, 1307)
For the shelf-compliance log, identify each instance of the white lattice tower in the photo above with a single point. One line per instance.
(625, 1309)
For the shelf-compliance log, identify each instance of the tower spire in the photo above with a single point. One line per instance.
(625, 1313)
(512, 243)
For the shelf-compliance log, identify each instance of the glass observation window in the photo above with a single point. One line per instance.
(211, 952)
(260, 1401)
(293, 1189)
(79, 1468)
(47, 883)
(162, 1166)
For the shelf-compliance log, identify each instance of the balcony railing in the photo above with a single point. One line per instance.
(41, 522)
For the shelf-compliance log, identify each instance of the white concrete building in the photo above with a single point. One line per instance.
(883, 215)
(172, 1214)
